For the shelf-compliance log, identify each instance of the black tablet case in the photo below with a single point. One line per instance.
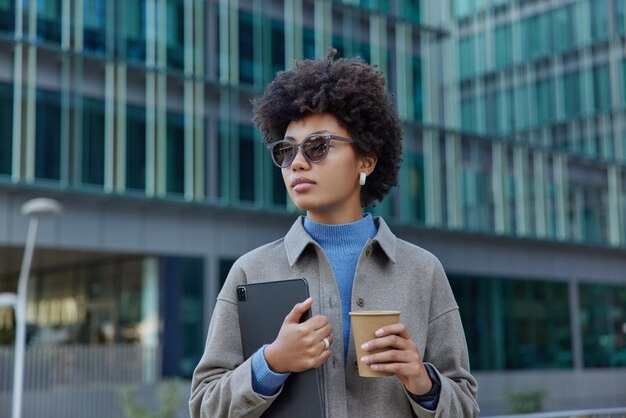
(262, 309)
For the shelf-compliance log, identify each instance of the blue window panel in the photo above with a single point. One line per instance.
(48, 136)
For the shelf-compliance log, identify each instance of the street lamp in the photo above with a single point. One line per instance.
(34, 208)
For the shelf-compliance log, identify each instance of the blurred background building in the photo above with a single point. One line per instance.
(135, 114)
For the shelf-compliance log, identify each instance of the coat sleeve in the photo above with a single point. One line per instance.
(222, 382)
(446, 350)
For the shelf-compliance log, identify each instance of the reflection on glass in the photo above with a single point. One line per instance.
(133, 14)
(7, 16)
(94, 21)
(603, 322)
(514, 324)
(48, 20)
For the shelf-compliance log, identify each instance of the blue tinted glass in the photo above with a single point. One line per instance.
(7, 16)
(175, 155)
(175, 34)
(417, 90)
(278, 46)
(416, 188)
(309, 43)
(619, 8)
(6, 127)
(504, 46)
(94, 21)
(279, 194)
(602, 317)
(599, 20)
(93, 142)
(48, 135)
(601, 88)
(246, 48)
(49, 20)
(132, 14)
(246, 163)
(466, 57)
(135, 148)
(514, 324)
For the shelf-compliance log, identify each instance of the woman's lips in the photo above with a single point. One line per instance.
(301, 184)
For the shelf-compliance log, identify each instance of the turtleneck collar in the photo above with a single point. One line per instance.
(342, 238)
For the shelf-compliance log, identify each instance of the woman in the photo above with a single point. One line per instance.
(331, 128)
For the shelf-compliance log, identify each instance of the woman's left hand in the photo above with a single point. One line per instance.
(400, 357)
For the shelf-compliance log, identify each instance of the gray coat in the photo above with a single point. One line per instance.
(391, 274)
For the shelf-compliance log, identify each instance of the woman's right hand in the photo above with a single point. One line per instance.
(299, 346)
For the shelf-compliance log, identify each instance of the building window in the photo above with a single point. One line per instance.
(48, 20)
(514, 324)
(133, 32)
(48, 136)
(599, 20)
(175, 154)
(225, 265)
(246, 163)
(135, 148)
(619, 9)
(94, 21)
(309, 43)
(418, 113)
(571, 91)
(603, 322)
(93, 142)
(182, 313)
(246, 48)
(6, 127)
(601, 88)
(278, 46)
(503, 39)
(468, 114)
(279, 193)
(175, 34)
(561, 29)
(544, 96)
(7, 16)
(416, 188)
(466, 57)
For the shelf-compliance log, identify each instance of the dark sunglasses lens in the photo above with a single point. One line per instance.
(315, 148)
(283, 153)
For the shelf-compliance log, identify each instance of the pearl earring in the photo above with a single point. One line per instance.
(362, 178)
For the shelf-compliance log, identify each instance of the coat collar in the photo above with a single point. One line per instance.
(297, 239)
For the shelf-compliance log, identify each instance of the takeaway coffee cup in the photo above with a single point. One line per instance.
(364, 325)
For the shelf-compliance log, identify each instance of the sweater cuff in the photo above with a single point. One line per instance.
(265, 382)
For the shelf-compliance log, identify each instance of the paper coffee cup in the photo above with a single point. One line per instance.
(364, 325)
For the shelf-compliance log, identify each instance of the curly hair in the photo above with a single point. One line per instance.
(352, 91)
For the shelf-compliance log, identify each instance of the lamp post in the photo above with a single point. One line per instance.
(34, 208)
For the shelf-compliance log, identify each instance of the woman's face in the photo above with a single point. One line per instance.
(328, 191)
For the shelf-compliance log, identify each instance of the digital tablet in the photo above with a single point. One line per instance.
(262, 309)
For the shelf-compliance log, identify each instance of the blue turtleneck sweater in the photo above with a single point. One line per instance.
(342, 245)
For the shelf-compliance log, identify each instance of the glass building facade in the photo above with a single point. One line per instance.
(513, 115)
(534, 103)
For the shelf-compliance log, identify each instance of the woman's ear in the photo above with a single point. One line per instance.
(368, 163)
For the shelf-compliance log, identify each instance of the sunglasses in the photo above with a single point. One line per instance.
(315, 148)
